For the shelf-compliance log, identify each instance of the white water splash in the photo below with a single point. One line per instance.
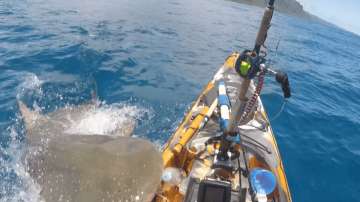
(30, 82)
(16, 185)
(25, 188)
(107, 119)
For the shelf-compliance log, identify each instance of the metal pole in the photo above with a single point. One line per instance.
(243, 90)
(239, 105)
(265, 25)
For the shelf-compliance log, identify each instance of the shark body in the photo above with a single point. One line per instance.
(88, 167)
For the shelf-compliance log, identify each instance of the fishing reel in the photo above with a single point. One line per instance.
(249, 65)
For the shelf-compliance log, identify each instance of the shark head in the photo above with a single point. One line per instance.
(73, 166)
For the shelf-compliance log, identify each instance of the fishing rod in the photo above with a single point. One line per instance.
(249, 65)
(264, 26)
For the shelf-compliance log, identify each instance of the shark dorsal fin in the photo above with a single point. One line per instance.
(29, 116)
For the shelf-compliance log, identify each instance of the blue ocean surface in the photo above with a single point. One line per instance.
(149, 59)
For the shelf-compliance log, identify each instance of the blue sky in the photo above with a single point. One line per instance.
(343, 13)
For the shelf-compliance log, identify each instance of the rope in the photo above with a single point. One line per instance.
(251, 103)
(277, 115)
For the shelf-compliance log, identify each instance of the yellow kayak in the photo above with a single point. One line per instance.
(225, 150)
(255, 173)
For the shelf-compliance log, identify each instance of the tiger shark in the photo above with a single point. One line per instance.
(88, 167)
(64, 121)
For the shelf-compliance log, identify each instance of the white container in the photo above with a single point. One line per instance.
(171, 176)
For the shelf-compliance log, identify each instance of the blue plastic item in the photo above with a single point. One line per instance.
(262, 181)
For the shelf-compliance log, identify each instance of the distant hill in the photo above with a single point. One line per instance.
(291, 7)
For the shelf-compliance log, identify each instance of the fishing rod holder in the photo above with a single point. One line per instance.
(223, 158)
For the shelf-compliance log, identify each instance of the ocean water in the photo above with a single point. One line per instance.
(148, 60)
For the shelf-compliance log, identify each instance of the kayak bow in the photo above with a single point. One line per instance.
(225, 150)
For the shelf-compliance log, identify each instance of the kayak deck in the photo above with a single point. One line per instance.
(188, 151)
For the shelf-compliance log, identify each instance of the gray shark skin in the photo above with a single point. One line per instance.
(41, 127)
(77, 167)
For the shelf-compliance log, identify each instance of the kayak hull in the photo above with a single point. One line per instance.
(200, 122)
